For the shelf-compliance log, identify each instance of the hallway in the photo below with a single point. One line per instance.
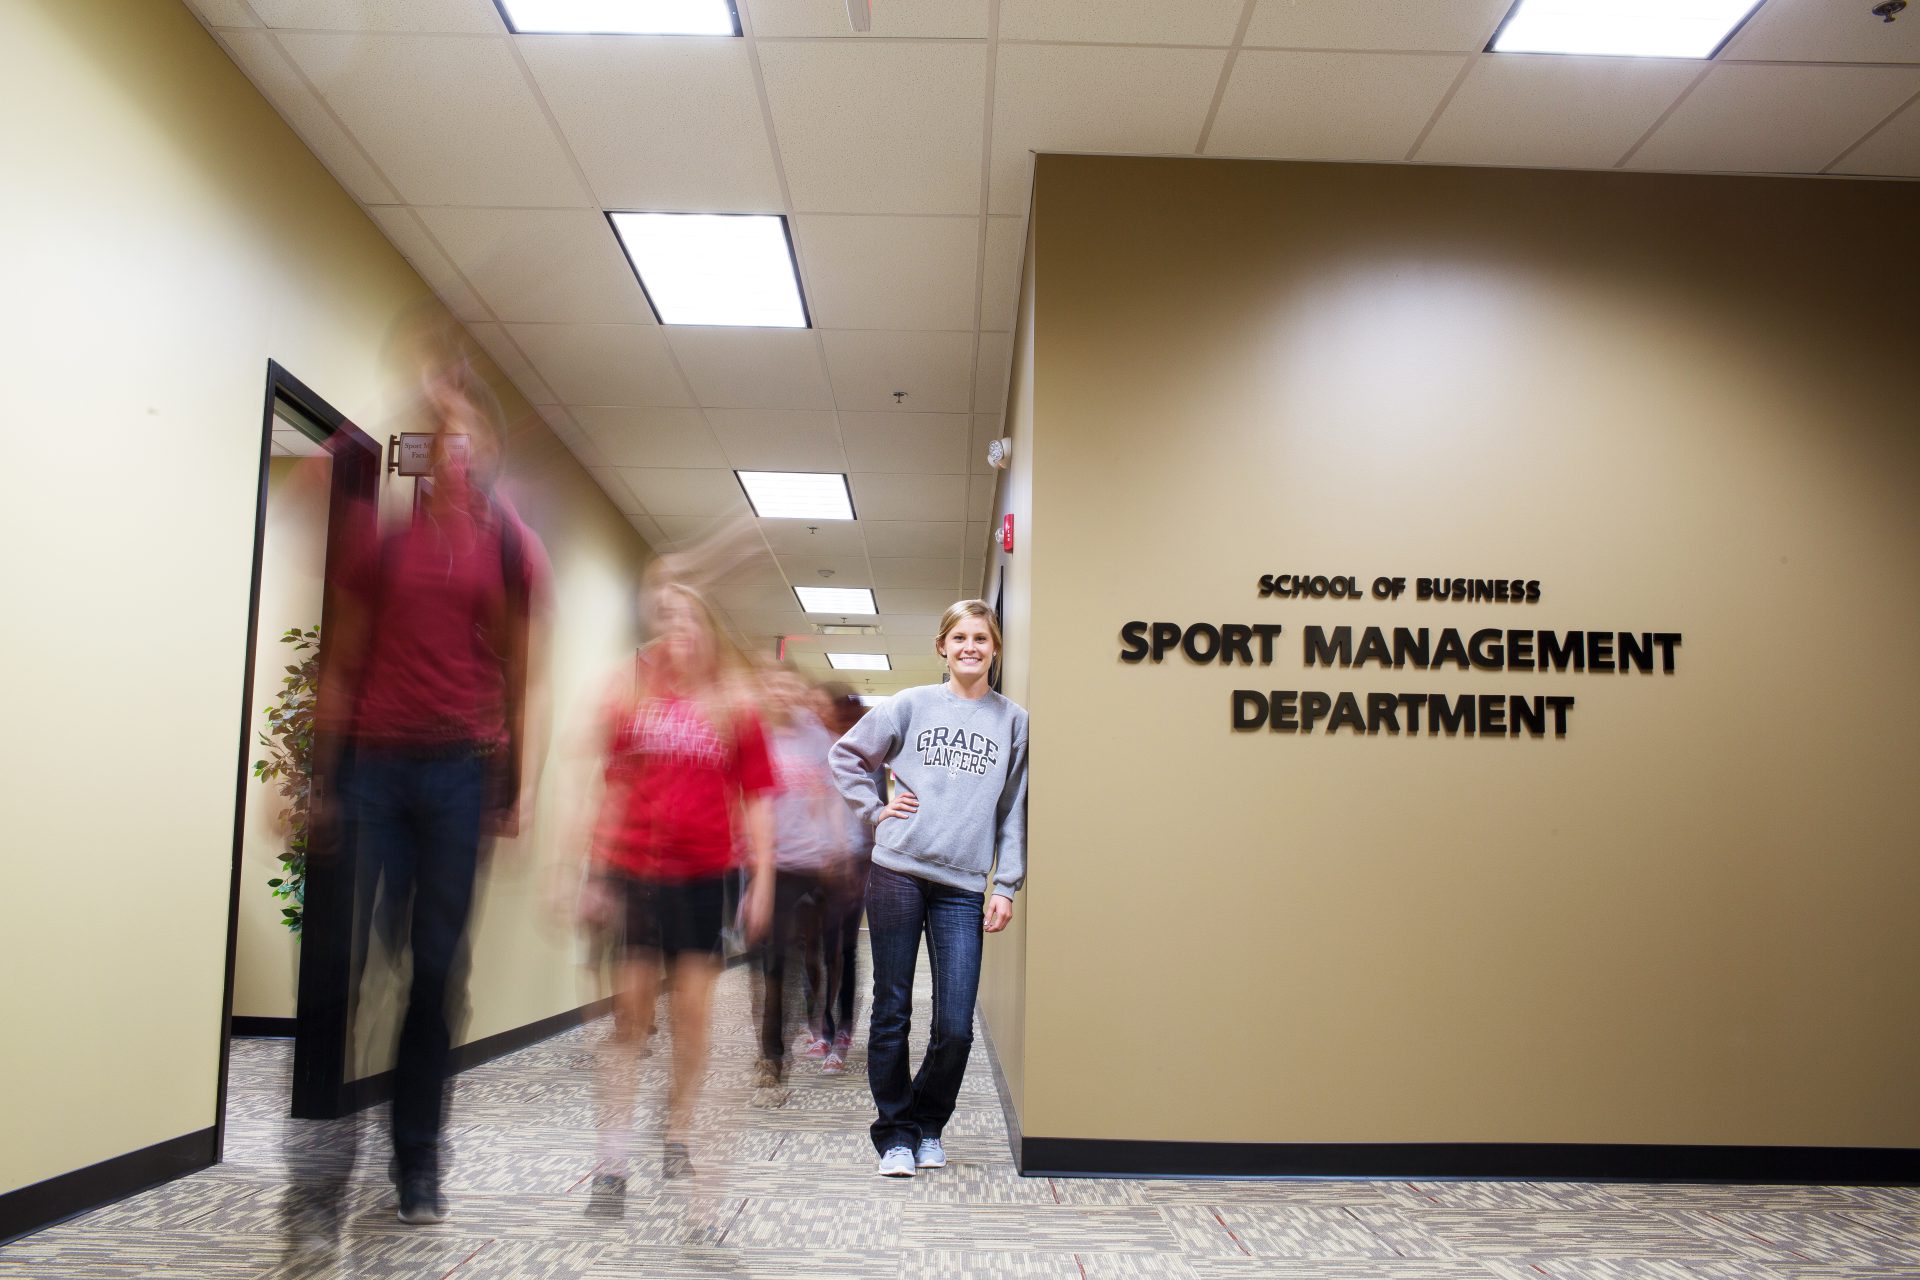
(786, 1188)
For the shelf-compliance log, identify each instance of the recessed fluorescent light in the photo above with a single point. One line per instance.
(621, 17)
(871, 699)
(835, 599)
(859, 662)
(797, 495)
(715, 268)
(1621, 28)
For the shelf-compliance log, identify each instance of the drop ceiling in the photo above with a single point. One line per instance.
(903, 160)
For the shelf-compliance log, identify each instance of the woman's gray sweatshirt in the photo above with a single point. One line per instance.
(966, 762)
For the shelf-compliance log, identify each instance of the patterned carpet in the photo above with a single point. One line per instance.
(785, 1187)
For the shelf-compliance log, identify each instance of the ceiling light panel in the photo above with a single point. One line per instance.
(797, 495)
(838, 600)
(715, 268)
(859, 662)
(1621, 28)
(621, 17)
(871, 699)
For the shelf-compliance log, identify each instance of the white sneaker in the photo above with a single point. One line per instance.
(931, 1154)
(897, 1163)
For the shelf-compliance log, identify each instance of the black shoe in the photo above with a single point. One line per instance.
(609, 1199)
(675, 1161)
(420, 1198)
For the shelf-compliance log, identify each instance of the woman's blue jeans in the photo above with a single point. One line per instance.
(899, 909)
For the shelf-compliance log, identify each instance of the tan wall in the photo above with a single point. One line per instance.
(169, 235)
(1680, 403)
(1003, 969)
(292, 559)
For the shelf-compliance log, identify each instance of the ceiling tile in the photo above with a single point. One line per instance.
(1137, 101)
(913, 538)
(918, 627)
(993, 368)
(1894, 151)
(878, 126)
(542, 264)
(779, 439)
(816, 538)
(1822, 31)
(650, 437)
(892, 19)
(842, 571)
(497, 344)
(869, 365)
(1553, 111)
(755, 622)
(598, 364)
(923, 573)
(616, 488)
(224, 13)
(1458, 25)
(1775, 119)
(980, 500)
(1000, 278)
(449, 119)
(973, 579)
(690, 530)
(977, 539)
(468, 16)
(685, 492)
(910, 600)
(731, 368)
(987, 427)
(902, 496)
(403, 229)
(1329, 106)
(255, 53)
(759, 569)
(667, 124)
(929, 442)
(1122, 21)
(866, 272)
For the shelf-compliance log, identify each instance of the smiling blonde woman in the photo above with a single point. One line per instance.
(957, 826)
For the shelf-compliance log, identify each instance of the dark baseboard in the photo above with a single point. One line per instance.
(265, 1028)
(1552, 1161)
(58, 1198)
(372, 1090)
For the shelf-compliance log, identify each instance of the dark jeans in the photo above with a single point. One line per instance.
(899, 909)
(799, 905)
(417, 821)
(840, 946)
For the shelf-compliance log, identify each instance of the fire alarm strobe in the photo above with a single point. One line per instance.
(1006, 533)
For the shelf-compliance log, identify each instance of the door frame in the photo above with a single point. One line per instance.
(318, 1041)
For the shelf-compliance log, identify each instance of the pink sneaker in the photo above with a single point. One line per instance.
(842, 1043)
(817, 1048)
(833, 1064)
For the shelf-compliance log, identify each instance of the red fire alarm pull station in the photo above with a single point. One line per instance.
(1006, 533)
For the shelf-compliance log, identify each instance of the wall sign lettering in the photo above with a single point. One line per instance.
(1502, 649)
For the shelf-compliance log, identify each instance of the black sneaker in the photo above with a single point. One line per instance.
(420, 1198)
(609, 1199)
(675, 1161)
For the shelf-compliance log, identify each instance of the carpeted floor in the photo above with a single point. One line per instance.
(785, 1187)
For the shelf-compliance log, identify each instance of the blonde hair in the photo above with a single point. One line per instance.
(961, 610)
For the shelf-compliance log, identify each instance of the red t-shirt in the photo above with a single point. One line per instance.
(436, 597)
(673, 782)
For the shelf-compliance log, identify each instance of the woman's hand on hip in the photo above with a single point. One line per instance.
(904, 805)
(999, 912)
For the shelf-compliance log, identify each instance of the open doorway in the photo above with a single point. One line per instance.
(312, 462)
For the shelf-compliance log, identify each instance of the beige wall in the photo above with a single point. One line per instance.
(1682, 404)
(1003, 969)
(292, 560)
(168, 235)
